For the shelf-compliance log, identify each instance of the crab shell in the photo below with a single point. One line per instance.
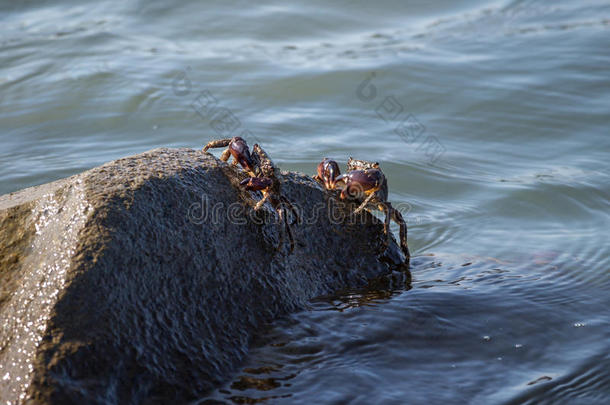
(360, 183)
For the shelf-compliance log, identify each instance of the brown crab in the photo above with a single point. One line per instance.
(366, 183)
(236, 147)
(263, 177)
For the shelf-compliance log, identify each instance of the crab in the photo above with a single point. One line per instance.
(365, 183)
(236, 147)
(263, 177)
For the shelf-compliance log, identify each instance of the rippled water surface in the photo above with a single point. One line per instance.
(491, 119)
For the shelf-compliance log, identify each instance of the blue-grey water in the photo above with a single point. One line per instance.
(490, 119)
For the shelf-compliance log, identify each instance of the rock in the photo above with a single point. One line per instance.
(145, 279)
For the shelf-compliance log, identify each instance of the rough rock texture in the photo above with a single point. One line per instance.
(144, 280)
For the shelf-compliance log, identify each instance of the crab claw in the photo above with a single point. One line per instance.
(328, 172)
(239, 150)
(256, 183)
(361, 182)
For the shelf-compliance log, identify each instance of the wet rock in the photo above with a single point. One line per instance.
(144, 280)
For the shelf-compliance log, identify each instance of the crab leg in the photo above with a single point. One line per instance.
(262, 201)
(225, 155)
(396, 216)
(289, 232)
(387, 207)
(364, 203)
(293, 210)
(266, 165)
(281, 212)
(261, 184)
(220, 143)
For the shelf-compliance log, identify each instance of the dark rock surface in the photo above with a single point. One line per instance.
(144, 280)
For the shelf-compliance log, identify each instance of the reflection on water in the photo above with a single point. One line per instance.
(490, 120)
